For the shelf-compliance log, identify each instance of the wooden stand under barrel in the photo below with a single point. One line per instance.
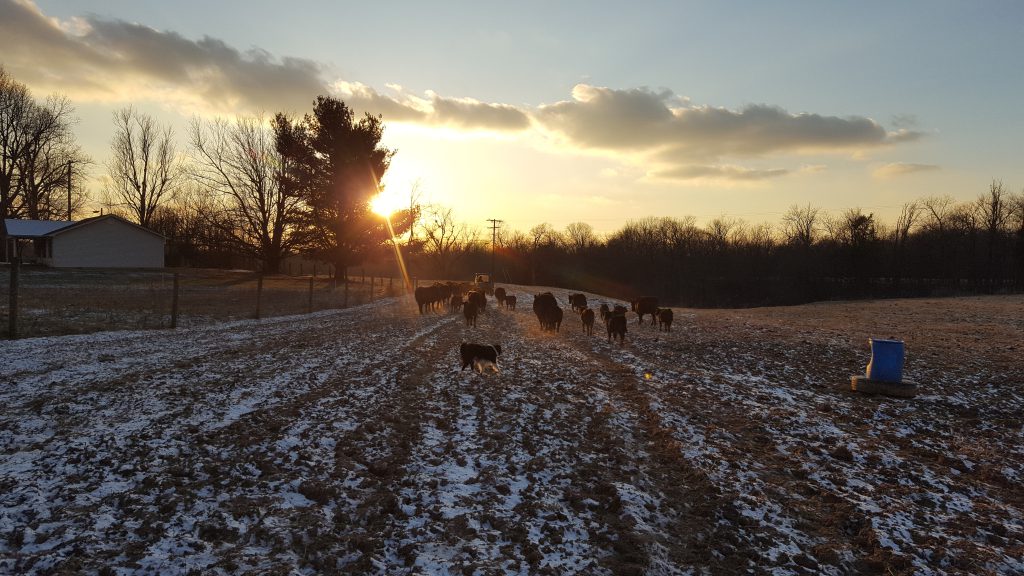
(885, 371)
(904, 389)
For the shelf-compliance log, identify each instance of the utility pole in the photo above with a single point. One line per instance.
(69, 191)
(494, 241)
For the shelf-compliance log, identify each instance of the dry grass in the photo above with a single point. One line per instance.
(55, 302)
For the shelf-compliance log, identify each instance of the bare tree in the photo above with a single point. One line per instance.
(415, 208)
(445, 240)
(1017, 225)
(238, 166)
(800, 225)
(993, 213)
(761, 238)
(721, 230)
(1016, 216)
(53, 166)
(832, 228)
(909, 216)
(542, 237)
(964, 219)
(579, 237)
(993, 208)
(854, 228)
(938, 210)
(16, 111)
(144, 170)
(36, 148)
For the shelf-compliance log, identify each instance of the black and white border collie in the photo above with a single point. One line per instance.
(480, 356)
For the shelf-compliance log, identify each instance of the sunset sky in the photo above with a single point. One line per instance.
(577, 111)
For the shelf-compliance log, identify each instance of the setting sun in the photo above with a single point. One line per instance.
(386, 203)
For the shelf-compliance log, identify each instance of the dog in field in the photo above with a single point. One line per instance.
(480, 356)
(480, 365)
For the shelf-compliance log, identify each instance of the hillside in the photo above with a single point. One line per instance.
(349, 440)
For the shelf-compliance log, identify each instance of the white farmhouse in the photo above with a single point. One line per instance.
(107, 241)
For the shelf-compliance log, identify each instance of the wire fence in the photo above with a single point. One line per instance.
(41, 301)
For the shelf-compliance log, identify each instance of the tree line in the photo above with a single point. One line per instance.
(936, 246)
(252, 191)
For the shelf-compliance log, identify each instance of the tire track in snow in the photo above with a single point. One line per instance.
(496, 480)
(191, 425)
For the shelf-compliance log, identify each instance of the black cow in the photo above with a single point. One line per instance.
(665, 319)
(499, 295)
(588, 321)
(469, 311)
(478, 298)
(510, 302)
(617, 327)
(646, 305)
(544, 306)
(432, 297)
(424, 297)
(578, 302)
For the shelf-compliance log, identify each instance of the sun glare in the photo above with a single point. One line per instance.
(386, 204)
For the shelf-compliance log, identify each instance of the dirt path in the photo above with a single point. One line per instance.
(350, 441)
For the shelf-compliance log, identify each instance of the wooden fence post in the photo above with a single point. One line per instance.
(310, 305)
(259, 294)
(373, 282)
(344, 278)
(174, 304)
(12, 312)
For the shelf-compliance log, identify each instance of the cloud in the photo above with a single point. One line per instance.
(728, 173)
(904, 121)
(403, 108)
(678, 140)
(902, 169)
(97, 59)
(645, 120)
(112, 60)
(469, 113)
(654, 131)
(462, 113)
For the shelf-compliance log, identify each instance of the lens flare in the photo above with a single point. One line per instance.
(386, 204)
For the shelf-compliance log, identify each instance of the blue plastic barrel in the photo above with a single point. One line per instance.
(886, 363)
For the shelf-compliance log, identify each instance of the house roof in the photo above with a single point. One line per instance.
(47, 228)
(33, 228)
(87, 221)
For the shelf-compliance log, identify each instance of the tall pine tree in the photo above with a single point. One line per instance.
(337, 163)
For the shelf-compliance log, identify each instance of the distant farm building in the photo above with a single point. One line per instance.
(107, 241)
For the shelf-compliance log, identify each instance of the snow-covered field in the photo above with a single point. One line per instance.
(349, 442)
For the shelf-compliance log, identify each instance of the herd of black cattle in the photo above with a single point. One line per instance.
(461, 296)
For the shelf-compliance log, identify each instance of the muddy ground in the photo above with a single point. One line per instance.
(349, 441)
